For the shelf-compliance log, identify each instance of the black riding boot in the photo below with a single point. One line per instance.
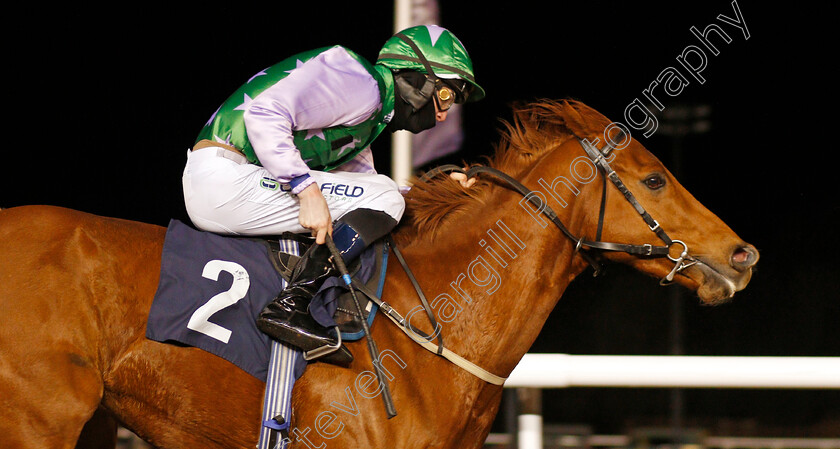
(287, 317)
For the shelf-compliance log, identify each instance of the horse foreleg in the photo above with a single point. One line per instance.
(46, 396)
(100, 432)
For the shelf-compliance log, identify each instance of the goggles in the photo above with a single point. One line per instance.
(445, 98)
(449, 92)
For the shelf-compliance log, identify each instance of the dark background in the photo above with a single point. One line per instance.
(105, 102)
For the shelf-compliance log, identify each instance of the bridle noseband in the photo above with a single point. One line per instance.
(599, 158)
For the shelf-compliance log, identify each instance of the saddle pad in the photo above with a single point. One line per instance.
(211, 290)
(213, 287)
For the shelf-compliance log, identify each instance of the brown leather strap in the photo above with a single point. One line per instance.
(209, 143)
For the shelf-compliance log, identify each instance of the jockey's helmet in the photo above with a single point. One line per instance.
(436, 52)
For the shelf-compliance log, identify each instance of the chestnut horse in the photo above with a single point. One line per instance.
(75, 291)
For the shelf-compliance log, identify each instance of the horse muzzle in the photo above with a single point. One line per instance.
(744, 258)
(718, 282)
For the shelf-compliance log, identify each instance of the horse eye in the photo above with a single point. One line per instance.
(655, 181)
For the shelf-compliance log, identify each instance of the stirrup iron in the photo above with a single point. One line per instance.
(323, 350)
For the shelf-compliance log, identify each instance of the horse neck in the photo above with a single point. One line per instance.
(497, 273)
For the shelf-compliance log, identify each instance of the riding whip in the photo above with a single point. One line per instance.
(372, 349)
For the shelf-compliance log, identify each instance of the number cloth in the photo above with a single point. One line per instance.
(210, 292)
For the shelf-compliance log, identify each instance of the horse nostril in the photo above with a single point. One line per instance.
(744, 257)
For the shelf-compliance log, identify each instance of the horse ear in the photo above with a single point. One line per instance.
(573, 119)
(579, 119)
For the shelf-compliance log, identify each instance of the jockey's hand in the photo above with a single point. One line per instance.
(314, 213)
(462, 178)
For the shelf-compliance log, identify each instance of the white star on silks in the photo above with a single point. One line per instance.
(219, 139)
(297, 66)
(319, 133)
(245, 103)
(213, 117)
(349, 146)
(262, 72)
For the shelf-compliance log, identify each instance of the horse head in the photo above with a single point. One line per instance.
(626, 207)
(644, 205)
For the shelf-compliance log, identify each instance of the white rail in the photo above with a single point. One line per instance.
(564, 370)
(722, 442)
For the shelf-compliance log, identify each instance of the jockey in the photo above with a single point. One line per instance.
(290, 151)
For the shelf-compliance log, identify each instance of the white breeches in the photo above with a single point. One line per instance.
(225, 194)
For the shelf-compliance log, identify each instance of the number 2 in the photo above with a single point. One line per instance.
(241, 282)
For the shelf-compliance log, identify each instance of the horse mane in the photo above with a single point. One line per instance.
(536, 129)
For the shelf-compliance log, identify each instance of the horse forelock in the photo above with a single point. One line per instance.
(536, 129)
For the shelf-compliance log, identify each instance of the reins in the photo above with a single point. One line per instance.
(599, 158)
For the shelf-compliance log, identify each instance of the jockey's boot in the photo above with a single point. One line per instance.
(287, 317)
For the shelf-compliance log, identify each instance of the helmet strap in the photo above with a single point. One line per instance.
(429, 72)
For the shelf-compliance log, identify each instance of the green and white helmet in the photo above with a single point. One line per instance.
(432, 50)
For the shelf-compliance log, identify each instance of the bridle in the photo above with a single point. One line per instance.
(600, 159)
(582, 247)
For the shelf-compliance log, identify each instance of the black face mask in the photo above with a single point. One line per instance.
(407, 116)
